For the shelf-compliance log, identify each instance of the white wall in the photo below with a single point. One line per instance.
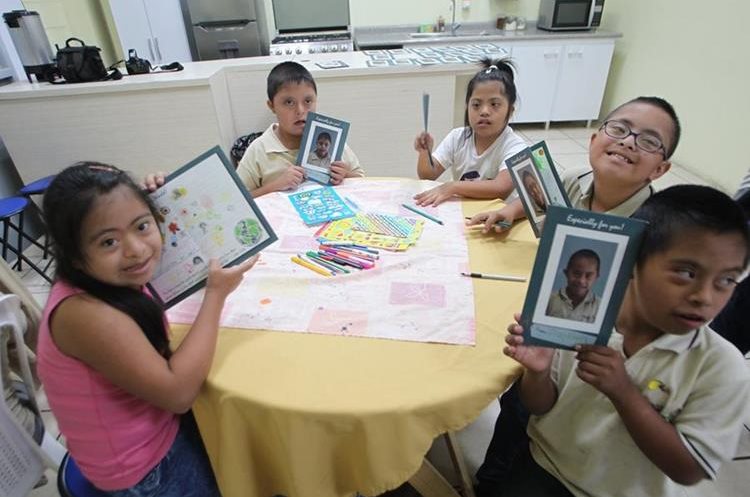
(390, 12)
(694, 54)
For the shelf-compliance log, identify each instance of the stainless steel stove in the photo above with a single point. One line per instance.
(308, 43)
(307, 27)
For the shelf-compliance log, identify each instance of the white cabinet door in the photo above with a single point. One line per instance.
(168, 31)
(583, 77)
(536, 81)
(132, 27)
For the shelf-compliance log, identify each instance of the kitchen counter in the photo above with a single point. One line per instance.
(155, 122)
(198, 74)
(399, 36)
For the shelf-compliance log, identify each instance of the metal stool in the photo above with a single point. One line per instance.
(38, 187)
(9, 208)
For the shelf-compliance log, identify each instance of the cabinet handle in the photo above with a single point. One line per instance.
(158, 52)
(575, 54)
(151, 50)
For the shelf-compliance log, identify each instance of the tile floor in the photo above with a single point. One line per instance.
(568, 144)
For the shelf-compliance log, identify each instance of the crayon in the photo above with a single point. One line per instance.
(311, 266)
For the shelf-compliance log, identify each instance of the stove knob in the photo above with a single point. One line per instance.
(278, 51)
(324, 49)
(288, 51)
(334, 48)
(343, 48)
(313, 49)
(299, 50)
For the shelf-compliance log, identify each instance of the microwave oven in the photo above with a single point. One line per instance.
(569, 15)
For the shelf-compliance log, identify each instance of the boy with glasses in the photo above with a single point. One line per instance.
(629, 151)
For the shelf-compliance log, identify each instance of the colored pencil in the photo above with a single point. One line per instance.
(501, 277)
(365, 248)
(332, 261)
(421, 213)
(341, 260)
(364, 263)
(326, 264)
(323, 241)
(425, 116)
(499, 224)
(311, 266)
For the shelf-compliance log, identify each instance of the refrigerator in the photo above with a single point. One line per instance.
(221, 29)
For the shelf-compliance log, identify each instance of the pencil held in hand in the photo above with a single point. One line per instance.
(426, 118)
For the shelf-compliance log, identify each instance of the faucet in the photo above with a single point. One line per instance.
(454, 25)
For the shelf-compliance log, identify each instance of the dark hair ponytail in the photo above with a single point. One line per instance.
(500, 70)
(67, 202)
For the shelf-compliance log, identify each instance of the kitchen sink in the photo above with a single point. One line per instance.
(446, 34)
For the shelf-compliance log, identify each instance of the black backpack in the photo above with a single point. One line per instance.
(81, 64)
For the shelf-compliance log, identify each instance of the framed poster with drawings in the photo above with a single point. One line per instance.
(207, 213)
(580, 275)
(323, 141)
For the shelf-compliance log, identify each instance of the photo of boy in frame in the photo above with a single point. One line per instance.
(578, 279)
(320, 152)
(577, 299)
(535, 191)
(531, 192)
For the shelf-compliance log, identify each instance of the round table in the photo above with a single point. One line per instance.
(308, 415)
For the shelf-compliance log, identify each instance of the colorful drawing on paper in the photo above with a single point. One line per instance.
(206, 214)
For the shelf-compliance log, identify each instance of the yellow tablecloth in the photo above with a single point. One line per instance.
(308, 415)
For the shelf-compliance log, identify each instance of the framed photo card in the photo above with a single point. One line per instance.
(323, 141)
(545, 166)
(538, 187)
(207, 213)
(580, 275)
(529, 187)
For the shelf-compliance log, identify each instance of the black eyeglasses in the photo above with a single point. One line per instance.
(646, 142)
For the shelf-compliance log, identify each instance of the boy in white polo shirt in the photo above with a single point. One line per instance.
(663, 404)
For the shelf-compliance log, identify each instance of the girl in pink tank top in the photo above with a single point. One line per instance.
(121, 396)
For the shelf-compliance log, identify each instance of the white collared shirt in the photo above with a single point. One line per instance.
(698, 382)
